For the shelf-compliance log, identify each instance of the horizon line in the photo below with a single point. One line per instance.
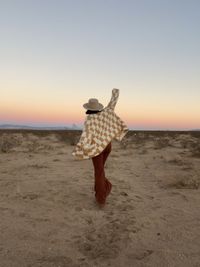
(7, 126)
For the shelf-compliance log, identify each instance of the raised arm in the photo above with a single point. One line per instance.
(114, 98)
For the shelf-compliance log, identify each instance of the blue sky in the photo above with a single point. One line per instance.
(55, 55)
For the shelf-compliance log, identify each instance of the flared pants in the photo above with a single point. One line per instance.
(102, 186)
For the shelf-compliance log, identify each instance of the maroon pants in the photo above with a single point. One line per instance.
(102, 186)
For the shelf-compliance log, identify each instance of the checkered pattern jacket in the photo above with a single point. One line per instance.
(99, 130)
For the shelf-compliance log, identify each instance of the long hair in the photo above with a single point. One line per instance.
(92, 111)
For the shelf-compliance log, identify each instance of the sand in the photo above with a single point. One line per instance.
(48, 213)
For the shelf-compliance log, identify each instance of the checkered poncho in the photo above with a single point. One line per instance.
(99, 130)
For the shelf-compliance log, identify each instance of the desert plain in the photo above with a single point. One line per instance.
(48, 213)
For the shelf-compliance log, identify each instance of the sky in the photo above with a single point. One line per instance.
(56, 54)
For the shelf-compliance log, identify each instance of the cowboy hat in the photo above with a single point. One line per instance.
(93, 104)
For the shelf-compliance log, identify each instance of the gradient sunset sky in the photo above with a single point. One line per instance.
(56, 54)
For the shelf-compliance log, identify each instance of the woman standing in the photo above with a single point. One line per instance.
(101, 126)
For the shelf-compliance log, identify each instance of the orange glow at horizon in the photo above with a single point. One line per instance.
(75, 117)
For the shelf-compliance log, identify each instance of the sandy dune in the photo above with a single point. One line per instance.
(48, 213)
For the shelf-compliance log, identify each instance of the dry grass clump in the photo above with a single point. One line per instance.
(188, 143)
(68, 137)
(193, 145)
(195, 151)
(124, 143)
(7, 143)
(176, 161)
(35, 146)
(160, 143)
(6, 146)
(139, 139)
(186, 183)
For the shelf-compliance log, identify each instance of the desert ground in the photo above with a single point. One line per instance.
(48, 213)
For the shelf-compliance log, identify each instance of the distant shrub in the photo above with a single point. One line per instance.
(138, 139)
(33, 146)
(186, 183)
(73, 140)
(124, 143)
(190, 144)
(160, 143)
(5, 146)
(7, 143)
(68, 138)
(195, 152)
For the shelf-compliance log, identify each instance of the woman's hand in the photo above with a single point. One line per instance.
(114, 98)
(115, 90)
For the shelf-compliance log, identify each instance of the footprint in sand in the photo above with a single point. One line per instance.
(139, 255)
(78, 209)
(123, 194)
(138, 198)
(55, 260)
(30, 196)
(104, 240)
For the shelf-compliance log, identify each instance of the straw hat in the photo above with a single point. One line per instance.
(93, 104)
